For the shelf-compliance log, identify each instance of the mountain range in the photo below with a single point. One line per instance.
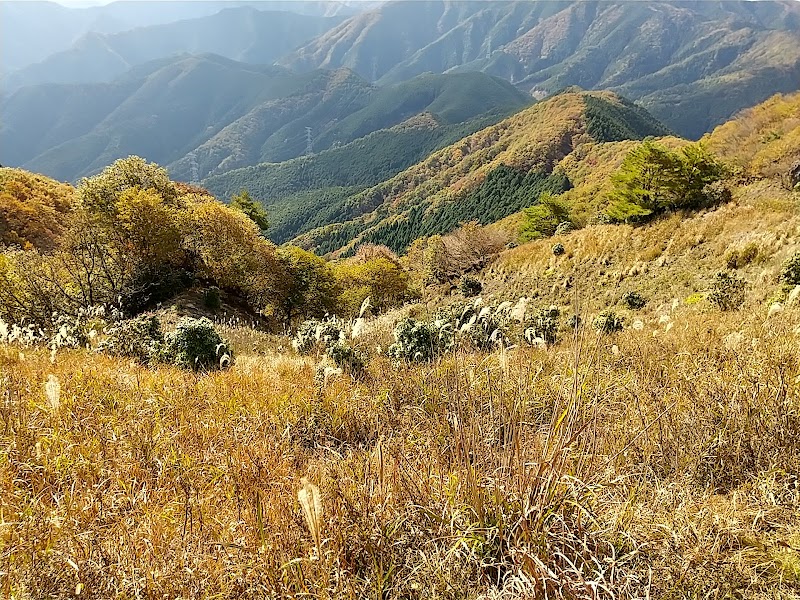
(209, 88)
(243, 34)
(203, 115)
(32, 30)
(691, 63)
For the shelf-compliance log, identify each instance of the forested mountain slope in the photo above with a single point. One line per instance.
(485, 176)
(205, 115)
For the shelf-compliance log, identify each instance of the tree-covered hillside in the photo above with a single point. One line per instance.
(204, 115)
(485, 176)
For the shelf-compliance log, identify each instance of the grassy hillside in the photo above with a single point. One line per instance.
(762, 141)
(655, 459)
(692, 64)
(486, 176)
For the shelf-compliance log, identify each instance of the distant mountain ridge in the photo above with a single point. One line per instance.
(54, 28)
(244, 34)
(202, 115)
(691, 63)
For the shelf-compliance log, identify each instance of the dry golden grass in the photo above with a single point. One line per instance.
(672, 258)
(652, 463)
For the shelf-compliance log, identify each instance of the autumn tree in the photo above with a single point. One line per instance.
(101, 192)
(311, 289)
(382, 280)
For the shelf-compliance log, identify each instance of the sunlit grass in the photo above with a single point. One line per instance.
(620, 467)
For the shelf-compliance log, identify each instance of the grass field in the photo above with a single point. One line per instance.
(659, 462)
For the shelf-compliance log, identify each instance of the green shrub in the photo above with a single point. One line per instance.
(419, 341)
(315, 334)
(558, 249)
(653, 179)
(141, 339)
(347, 358)
(543, 218)
(544, 325)
(633, 300)
(790, 272)
(195, 344)
(727, 291)
(470, 286)
(212, 299)
(608, 322)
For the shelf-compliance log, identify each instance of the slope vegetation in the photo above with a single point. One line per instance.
(485, 176)
(32, 209)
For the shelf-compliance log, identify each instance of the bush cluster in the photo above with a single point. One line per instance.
(195, 344)
(544, 326)
(790, 271)
(315, 335)
(420, 341)
(141, 339)
(470, 286)
(350, 360)
(727, 291)
(633, 300)
(608, 322)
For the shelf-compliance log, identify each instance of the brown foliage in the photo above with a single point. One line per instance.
(32, 209)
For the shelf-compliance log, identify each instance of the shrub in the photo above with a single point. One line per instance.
(544, 218)
(419, 341)
(140, 338)
(212, 299)
(76, 331)
(195, 344)
(470, 286)
(790, 271)
(544, 326)
(727, 291)
(314, 334)
(608, 322)
(633, 300)
(564, 227)
(558, 249)
(653, 179)
(738, 258)
(716, 193)
(483, 327)
(347, 358)
(574, 321)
